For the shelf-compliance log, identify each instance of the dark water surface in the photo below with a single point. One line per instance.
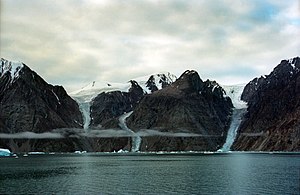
(151, 174)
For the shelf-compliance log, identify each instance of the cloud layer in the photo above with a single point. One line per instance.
(106, 133)
(72, 43)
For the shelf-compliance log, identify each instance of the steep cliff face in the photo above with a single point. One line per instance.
(29, 104)
(272, 122)
(188, 105)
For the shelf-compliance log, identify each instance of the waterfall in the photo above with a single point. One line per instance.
(135, 139)
(240, 108)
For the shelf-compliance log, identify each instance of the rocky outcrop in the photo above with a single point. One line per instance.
(272, 122)
(188, 105)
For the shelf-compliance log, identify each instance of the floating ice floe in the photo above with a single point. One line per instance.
(5, 152)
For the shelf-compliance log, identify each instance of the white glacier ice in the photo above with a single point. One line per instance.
(240, 108)
(235, 92)
(135, 139)
(84, 107)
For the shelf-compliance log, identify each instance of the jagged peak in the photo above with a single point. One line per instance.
(12, 67)
(159, 81)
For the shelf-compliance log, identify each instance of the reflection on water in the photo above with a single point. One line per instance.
(156, 174)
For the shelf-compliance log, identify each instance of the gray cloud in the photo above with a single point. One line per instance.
(92, 133)
(31, 135)
(75, 42)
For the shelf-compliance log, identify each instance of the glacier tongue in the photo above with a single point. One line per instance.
(135, 138)
(236, 120)
(84, 107)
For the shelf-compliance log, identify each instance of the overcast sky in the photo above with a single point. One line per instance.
(74, 42)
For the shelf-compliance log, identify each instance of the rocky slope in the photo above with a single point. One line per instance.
(272, 122)
(188, 106)
(29, 104)
(108, 106)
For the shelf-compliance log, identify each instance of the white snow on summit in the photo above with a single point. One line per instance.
(10, 66)
(87, 93)
(91, 90)
(142, 81)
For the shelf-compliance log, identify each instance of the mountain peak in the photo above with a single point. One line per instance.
(11, 68)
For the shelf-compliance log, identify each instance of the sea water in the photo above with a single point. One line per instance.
(159, 173)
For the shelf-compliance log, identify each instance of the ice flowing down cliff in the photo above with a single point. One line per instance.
(240, 108)
(84, 107)
(135, 139)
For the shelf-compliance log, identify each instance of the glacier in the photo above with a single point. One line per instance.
(240, 108)
(135, 138)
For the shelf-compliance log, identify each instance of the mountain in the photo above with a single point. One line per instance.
(198, 110)
(29, 104)
(104, 102)
(272, 121)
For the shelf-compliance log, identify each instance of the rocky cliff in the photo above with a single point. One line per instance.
(189, 106)
(29, 104)
(272, 122)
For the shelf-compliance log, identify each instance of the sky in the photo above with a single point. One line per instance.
(75, 42)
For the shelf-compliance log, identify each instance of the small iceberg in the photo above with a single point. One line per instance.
(80, 152)
(5, 152)
(36, 153)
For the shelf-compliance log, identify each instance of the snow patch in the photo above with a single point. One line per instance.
(13, 67)
(56, 97)
(291, 62)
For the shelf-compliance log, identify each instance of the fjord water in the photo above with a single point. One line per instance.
(250, 173)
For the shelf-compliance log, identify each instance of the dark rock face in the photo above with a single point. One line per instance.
(28, 103)
(107, 106)
(272, 122)
(251, 88)
(187, 105)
